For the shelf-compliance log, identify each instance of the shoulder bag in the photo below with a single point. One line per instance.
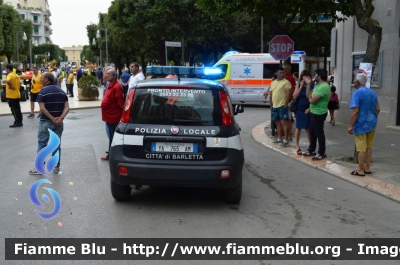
(293, 105)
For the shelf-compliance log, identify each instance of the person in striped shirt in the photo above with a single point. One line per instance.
(54, 107)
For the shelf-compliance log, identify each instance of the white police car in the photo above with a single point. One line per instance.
(177, 132)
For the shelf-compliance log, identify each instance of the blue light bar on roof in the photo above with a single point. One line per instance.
(212, 71)
(182, 70)
(172, 70)
(299, 52)
(230, 52)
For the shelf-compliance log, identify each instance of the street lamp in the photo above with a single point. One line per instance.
(24, 38)
(30, 50)
(46, 54)
(98, 36)
(100, 55)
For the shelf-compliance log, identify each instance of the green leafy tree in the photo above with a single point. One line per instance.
(88, 54)
(11, 23)
(138, 30)
(56, 53)
(295, 18)
(1, 27)
(280, 15)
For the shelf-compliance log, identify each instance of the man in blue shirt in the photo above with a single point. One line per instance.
(125, 81)
(54, 107)
(99, 74)
(365, 108)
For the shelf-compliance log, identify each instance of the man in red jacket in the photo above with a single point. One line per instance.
(112, 105)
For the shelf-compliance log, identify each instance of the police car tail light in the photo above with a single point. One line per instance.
(123, 170)
(224, 174)
(126, 114)
(225, 109)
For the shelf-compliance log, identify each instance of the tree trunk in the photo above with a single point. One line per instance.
(205, 58)
(143, 63)
(364, 21)
(215, 53)
(161, 52)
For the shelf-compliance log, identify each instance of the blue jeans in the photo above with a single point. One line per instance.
(110, 129)
(43, 136)
(281, 113)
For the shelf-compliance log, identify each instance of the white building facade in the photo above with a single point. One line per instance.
(351, 46)
(38, 11)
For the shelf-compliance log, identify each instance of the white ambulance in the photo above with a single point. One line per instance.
(248, 75)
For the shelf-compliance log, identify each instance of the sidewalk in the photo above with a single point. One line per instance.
(385, 177)
(74, 103)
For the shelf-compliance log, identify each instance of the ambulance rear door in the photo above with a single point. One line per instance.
(246, 82)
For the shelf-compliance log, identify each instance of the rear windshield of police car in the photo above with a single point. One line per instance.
(176, 106)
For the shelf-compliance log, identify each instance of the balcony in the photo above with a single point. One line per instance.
(48, 39)
(48, 12)
(47, 34)
(37, 22)
(47, 20)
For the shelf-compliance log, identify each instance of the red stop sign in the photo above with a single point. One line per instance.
(281, 47)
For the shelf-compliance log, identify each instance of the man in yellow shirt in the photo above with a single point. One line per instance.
(13, 95)
(280, 93)
(36, 87)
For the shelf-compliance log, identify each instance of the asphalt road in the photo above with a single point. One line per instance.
(282, 198)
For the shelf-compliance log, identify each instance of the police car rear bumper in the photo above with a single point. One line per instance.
(175, 173)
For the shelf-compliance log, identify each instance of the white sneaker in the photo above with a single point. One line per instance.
(56, 169)
(34, 172)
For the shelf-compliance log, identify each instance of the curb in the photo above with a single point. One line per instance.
(71, 108)
(378, 186)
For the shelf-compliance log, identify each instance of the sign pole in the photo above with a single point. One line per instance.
(262, 35)
(281, 47)
(183, 58)
(175, 44)
(166, 56)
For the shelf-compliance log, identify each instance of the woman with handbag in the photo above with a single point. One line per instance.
(301, 93)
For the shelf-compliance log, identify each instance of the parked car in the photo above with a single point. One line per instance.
(178, 132)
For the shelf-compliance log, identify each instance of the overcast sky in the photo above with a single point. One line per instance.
(70, 18)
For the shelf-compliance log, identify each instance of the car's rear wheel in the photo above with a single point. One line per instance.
(23, 95)
(120, 192)
(3, 96)
(234, 195)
